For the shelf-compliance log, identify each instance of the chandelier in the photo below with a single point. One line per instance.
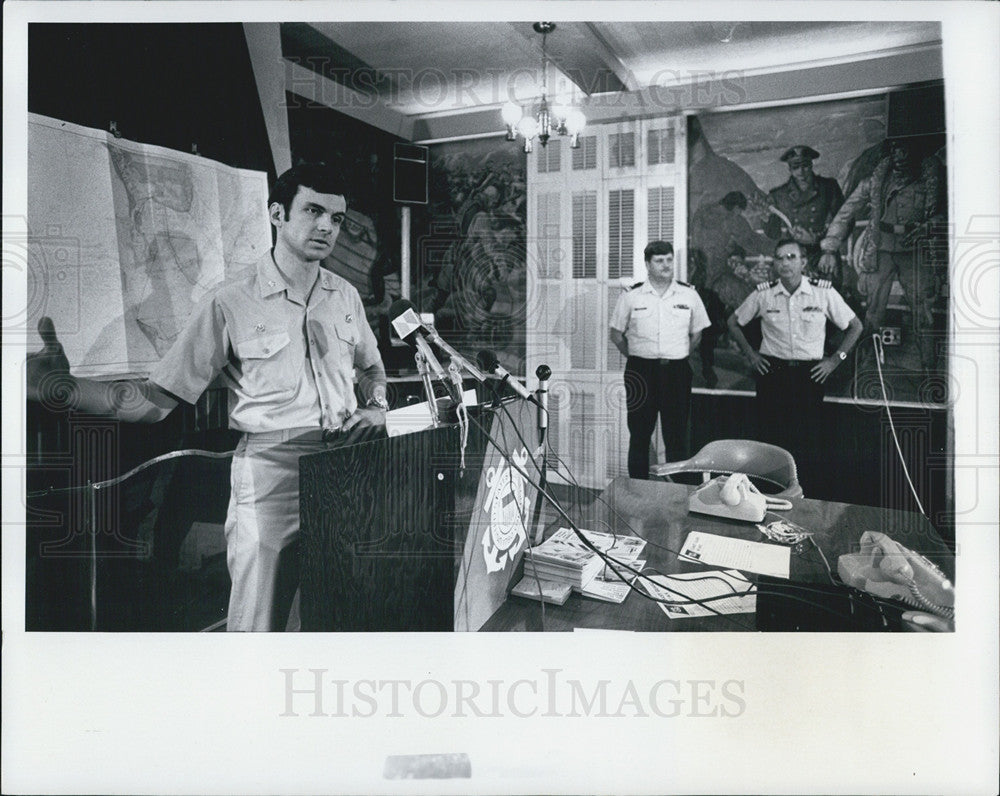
(558, 119)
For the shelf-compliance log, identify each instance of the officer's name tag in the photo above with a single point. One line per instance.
(774, 311)
(812, 309)
(681, 307)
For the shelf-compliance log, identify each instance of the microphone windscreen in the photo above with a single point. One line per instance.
(404, 318)
(487, 361)
(399, 306)
(543, 372)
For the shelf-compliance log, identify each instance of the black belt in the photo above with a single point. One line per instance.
(896, 229)
(790, 363)
(658, 361)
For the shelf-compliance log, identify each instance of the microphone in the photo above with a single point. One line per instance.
(408, 326)
(406, 322)
(488, 361)
(543, 372)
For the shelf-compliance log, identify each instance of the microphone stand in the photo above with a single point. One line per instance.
(543, 372)
(423, 369)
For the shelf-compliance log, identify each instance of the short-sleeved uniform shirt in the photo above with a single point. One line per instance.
(659, 327)
(288, 363)
(794, 325)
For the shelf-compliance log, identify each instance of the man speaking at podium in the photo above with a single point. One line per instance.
(285, 335)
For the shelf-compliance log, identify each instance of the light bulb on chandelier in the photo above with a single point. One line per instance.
(559, 119)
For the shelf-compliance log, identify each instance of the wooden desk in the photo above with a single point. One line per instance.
(658, 512)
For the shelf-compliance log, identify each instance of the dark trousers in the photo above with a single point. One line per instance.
(656, 387)
(790, 410)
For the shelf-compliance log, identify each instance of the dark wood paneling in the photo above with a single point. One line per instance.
(862, 465)
(373, 557)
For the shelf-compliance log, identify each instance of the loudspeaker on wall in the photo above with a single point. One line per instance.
(409, 174)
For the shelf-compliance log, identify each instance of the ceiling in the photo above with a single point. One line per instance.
(423, 70)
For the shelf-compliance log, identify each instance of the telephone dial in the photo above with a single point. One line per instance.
(734, 497)
(885, 568)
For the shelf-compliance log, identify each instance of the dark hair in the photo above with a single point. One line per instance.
(657, 247)
(788, 242)
(317, 176)
(734, 199)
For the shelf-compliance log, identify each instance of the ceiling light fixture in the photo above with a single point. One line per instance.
(559, 120)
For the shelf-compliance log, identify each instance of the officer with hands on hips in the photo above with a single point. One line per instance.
(790, 367)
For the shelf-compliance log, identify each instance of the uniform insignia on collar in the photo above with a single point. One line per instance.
(637, 284)
(259, 328)
(349, 317)
(821, 283)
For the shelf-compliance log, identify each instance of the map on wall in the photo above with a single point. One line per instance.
(125, 238)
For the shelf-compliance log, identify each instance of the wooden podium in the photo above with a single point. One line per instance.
(407, 534)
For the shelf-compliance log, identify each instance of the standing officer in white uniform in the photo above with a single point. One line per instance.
(655, 325)
(790, 366)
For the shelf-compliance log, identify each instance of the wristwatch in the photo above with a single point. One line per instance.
(379, 401)
(842, 355)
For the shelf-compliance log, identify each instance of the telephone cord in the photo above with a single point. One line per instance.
(877, 341)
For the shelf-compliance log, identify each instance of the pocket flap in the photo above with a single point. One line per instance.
(347, 332)
(262, 347)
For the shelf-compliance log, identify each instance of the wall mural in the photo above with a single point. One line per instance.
(469, 248)
(822, 173)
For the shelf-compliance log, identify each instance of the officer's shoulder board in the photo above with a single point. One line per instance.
(762, 286)
(637, 284)
(820, 283)
(684, 284)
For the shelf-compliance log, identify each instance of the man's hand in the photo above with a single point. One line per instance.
(822, 369)
(365, 416)
(759, 362)
(47, 371)
(827, 264)
(803, 235)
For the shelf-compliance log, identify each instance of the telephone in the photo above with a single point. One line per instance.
(885, 568)
(733, 497)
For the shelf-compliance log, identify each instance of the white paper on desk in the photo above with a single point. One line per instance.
(417, 417)
(676, 591)
(723, 551)
(607, 586)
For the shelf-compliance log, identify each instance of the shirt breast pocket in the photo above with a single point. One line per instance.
(811, 326)
(347, 334)
(265, 363)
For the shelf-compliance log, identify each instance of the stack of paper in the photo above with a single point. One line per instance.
(561, 560)
(564, 558)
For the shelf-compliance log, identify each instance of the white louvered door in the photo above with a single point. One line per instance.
(590, 213)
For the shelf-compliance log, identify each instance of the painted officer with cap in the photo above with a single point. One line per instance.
(790, 367)
(805, 205)
(655, 325)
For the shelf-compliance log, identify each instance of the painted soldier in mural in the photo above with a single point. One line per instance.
(905, 196)
(721, 241)
(803, 207)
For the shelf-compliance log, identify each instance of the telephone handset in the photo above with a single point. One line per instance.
(734, 497)
(885, 568)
